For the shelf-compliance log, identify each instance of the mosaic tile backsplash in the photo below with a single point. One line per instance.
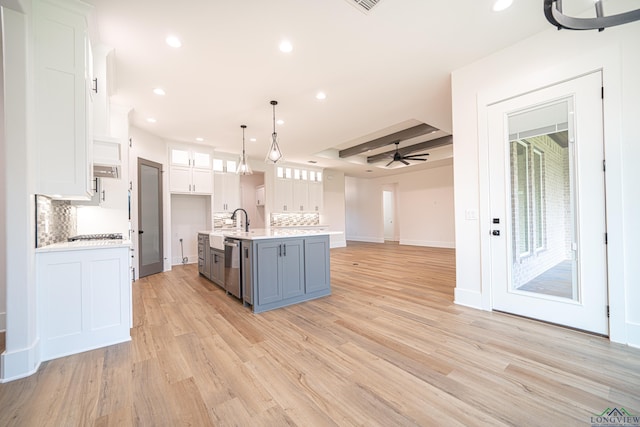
(219, 219)
(294, 219)
(55, 221)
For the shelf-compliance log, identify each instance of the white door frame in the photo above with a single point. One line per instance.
(607, 59)
(587, 309)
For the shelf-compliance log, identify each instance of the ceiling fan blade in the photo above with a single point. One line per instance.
(389, 163)
(404, 161)
(419, 160)
(415, 156)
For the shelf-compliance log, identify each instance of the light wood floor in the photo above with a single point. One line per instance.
(387, 348)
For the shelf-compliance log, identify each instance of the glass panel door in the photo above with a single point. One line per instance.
(150, 251)
(547, 205)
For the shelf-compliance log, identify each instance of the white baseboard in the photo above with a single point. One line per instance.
(3, 322)
(178, 260)
(633, 334)
(20, 364)
(428, 243)
(467, 298)
(366, 239)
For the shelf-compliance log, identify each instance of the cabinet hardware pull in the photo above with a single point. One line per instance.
(279, 250)
(194, 188)
(104, 196)
(285, 249)
(95, 85)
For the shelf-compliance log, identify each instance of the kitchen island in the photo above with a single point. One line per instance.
(273, 268)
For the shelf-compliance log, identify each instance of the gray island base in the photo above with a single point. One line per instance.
(277, 268)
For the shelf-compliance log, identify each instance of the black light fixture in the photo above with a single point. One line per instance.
(274, 153)
(553, 13)
(243, 166)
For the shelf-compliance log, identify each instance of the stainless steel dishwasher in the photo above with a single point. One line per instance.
(232, 269)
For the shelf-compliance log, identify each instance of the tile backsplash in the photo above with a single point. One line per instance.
(294, 219)
(55, 221)
(219, 219)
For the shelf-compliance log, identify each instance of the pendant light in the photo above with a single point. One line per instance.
(243, 166)
(274, 153)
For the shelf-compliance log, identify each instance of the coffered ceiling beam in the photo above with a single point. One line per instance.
(412, 132)
(422, 146)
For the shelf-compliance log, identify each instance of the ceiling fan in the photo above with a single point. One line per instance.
(397, 157)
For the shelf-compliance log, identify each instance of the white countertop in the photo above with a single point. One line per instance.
(271, 233)
(80, 245)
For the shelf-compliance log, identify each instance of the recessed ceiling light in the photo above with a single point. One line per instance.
(199, 139)
(280, 122)
(285, 46)
(500, 5)
(151, 120)
(173, 41)
(321, 95)
(252, 139)
(159, 91)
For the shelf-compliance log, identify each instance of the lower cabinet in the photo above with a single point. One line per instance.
(288, 271)
(204, 266)
(217, 267)
(280, 273)
(84, 299)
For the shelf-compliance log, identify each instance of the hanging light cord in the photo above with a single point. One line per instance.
(274, 135)
(243, 128)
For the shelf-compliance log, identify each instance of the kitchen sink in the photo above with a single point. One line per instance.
(216, 241)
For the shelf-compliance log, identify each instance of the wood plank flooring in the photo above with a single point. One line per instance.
(387, 348)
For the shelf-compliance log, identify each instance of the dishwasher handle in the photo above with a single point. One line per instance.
(231, 244)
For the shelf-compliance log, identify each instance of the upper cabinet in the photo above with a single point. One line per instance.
(62, 102)
(297, 189)
(190, 170)
(226, 193)
(101, 88)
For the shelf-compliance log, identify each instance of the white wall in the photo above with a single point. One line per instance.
(248, 184)
(548, 58)
(424, 208)
(333, 212)
(21, 357)
(3, 196)
(189, 215)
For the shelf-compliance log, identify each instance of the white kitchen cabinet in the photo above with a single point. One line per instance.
(226, 191)
(316, 191)
(62, 101)
(190, 170)
(283, 195)
(297, 189)
(84, 299)
(99, 88)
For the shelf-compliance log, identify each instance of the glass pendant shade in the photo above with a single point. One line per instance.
(243, 165)
(274, 153)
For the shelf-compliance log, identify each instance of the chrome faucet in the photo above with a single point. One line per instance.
(246, 218)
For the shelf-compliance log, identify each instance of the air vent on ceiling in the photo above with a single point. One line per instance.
(364, 5)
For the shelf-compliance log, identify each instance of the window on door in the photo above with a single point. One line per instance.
(527, 196)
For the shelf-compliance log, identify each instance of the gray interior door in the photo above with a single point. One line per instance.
(150, 251)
